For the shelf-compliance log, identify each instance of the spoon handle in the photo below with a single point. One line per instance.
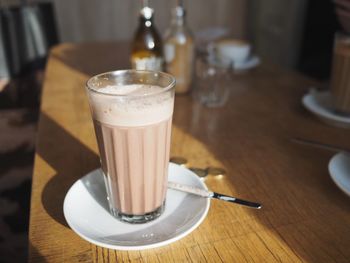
(319, 145)
(204, 193)
(235, 200)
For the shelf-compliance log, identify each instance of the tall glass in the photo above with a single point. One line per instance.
(132, 114)
(340, 80)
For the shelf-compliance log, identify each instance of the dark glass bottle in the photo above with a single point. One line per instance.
(147, 47)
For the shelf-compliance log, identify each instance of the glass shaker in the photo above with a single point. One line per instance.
(179, 50)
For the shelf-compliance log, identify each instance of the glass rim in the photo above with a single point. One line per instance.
(171, 85)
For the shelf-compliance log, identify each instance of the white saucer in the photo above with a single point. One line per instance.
(339, 169)
(319, 103)
(86, 211)
(249, 63)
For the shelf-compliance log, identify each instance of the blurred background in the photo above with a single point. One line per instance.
(279, 29)
(295, 34)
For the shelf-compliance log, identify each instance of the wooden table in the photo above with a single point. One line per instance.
(305, 216)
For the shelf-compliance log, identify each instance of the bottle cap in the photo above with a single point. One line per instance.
(147, 12)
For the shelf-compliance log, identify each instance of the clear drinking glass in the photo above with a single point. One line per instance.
(132, 114)
(211, 83)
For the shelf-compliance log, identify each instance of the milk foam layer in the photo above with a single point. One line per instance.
(136, 105)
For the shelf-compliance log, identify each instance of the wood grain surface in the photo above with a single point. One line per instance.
(305, 217)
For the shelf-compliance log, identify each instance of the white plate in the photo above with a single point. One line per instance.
(86, 211)
(339, 169)
(250, 63)
(319, 103)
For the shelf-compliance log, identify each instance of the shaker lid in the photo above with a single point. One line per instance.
(179, 11)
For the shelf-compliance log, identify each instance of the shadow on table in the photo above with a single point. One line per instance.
(34, 255)
(68, 152)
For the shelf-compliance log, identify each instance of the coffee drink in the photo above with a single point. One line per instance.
(340, 80)
(133, 129)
